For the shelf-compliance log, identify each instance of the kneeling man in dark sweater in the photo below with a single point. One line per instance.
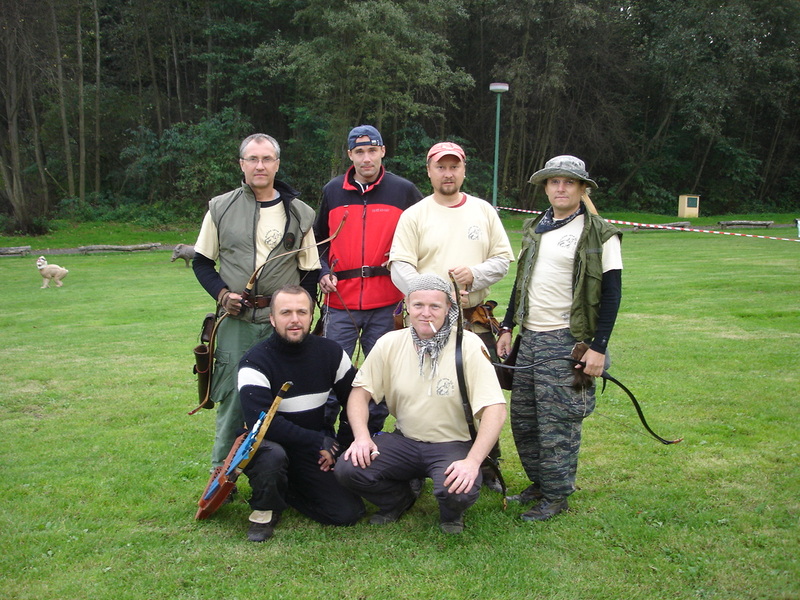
(293, 465)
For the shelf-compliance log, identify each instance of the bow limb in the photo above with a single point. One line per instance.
(606, 377)
(212, 342)
(249, 287)
(356, 358)
(619, 384)
(488, 461)
(460, 320)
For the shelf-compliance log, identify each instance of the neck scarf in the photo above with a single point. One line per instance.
(433, 346)
(548, 223)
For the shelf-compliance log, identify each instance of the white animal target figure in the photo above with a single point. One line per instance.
(50, 272)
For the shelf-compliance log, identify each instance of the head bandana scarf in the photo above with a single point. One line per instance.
(433, 346)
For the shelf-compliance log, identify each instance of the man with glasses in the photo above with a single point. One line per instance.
(260, 223)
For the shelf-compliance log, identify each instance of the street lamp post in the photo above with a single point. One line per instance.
(497, 88)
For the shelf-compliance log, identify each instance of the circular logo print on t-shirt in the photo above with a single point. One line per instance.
(568, 241)
(445, 387)
(272, 238)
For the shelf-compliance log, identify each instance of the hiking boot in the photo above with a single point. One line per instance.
(530, 494)
(416, 486)
(452, 527)
(386, 516)
(262, 525)
(546, 509)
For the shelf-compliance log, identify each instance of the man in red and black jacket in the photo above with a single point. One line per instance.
(361, 297)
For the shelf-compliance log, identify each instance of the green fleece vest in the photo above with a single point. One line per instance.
(235, 215)
(587, 274)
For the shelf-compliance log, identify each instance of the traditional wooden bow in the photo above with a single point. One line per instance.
(462, 384)
(247, 292)
(606, 377)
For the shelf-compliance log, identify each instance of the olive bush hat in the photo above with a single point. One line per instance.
(563, 166)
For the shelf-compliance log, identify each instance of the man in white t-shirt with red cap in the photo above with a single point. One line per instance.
(453, 232)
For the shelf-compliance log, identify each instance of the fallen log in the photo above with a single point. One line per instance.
(21, 250)
(662, 226)
(108, 248)
(759, 224)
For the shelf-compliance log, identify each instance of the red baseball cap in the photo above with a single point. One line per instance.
(443, 149)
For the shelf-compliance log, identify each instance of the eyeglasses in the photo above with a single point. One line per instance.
(254, 160)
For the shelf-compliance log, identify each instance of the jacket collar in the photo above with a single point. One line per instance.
(350, 184)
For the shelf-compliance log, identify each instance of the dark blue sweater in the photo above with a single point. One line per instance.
(315, 366)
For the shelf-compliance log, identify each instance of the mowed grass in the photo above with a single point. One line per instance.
(102, 468)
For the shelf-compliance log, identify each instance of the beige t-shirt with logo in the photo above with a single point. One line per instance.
(428, 408)
(550, 291)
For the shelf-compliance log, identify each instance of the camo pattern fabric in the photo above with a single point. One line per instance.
(547, 413)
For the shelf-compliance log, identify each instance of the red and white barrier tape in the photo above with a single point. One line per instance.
(651, 226)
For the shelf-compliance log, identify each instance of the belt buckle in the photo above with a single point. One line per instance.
(365, 271)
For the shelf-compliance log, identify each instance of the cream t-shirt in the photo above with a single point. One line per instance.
(428, 407)
(435, 238)
(269, 232)
(550, 290)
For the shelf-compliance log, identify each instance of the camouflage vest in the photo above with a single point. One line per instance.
(235, 215)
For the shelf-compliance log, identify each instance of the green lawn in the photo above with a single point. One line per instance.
(102, 468)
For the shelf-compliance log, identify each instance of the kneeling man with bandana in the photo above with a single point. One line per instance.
(413, 370)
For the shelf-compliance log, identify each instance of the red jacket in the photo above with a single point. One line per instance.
(365, 238)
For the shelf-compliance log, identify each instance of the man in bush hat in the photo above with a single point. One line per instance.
(413, 371)
(567, 291)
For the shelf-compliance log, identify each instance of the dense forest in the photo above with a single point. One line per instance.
(136, 107)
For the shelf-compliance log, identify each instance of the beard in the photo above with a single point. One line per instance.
(449, 189)
(295, 341)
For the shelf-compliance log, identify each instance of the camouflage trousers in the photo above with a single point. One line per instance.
(547, 414)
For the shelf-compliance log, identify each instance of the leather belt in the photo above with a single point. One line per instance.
(362, 272)
(261, 301)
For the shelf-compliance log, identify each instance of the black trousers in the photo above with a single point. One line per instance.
(280, 479)
(385, 482)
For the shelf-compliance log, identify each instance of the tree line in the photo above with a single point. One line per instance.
(138, 106)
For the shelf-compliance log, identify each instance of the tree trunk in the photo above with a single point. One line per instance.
(662, 129)
(44, 208)
(10, 161)
(81, 112)
(766, 175)
(702, 165)
(151, 59)
(96, 98)
(209, 67)
(175, 64)
(62, 103)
